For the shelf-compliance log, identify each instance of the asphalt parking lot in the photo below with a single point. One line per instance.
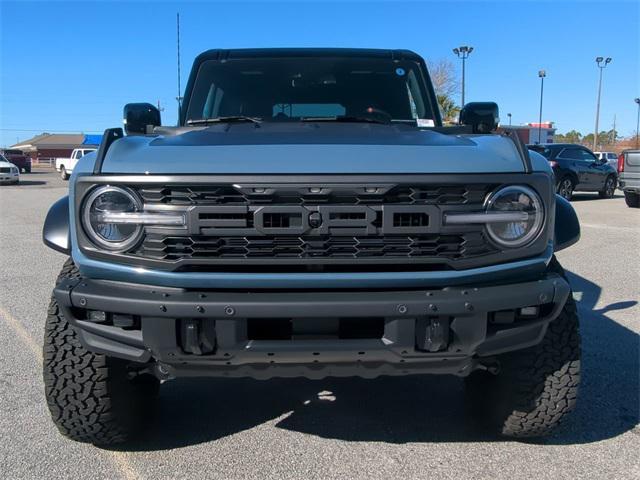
(412, 427)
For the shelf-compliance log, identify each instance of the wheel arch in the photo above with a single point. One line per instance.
(567, 225)
(56, 233)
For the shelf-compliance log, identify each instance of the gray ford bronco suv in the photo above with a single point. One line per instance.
(310, 216)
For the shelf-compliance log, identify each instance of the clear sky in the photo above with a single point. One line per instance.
(71, 66)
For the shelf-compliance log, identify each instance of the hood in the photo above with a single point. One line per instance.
(6, 164)
(308, 148)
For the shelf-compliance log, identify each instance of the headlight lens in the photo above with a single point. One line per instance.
(108, 200)
(516, 198)
(14, 169)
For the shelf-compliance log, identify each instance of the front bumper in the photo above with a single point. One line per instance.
(9, 177)
(179, 332)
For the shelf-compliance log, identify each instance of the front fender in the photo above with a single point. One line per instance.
(56, 233)
(567, 226)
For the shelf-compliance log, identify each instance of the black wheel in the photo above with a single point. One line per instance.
(609, 187)
(632, 199)
(92, 398)
(535, 388)
(63, 173)
(565, 188)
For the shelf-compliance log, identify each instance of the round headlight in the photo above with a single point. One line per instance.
(518, 199)
(100, 228)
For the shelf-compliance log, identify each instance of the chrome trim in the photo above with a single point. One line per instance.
(485, 217)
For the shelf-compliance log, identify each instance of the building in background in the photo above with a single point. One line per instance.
(533, 133)
(46, 147)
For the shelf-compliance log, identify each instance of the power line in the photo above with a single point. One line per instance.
(46, 130)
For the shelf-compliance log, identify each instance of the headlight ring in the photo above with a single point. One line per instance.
(115, 237)
(515, 198)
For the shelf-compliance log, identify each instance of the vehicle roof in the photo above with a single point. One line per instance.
(220, 54)
(549, 145)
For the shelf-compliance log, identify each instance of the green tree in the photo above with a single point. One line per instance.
(448, 107)
(573, 136)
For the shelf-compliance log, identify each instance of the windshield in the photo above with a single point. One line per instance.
(291, 89)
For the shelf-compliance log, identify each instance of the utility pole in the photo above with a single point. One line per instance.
(509, 115)
(179, 97)
(602, 63)
(613, 140)
(541, 74)
(463, 53)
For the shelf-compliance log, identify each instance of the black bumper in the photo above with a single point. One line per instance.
(204, 333)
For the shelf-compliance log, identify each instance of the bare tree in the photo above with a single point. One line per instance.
(444, 77)
(446, 84)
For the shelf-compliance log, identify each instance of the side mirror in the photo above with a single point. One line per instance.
(483, 117)
(138, 116)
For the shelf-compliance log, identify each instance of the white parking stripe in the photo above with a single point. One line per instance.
(119, 459)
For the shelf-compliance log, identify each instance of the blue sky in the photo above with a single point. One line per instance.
(70, 66)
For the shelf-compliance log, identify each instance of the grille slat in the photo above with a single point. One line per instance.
(446, 246)
(227, 194)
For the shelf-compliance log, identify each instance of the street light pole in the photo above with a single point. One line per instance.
(637, 100)
(602, 63)
(509, 115)
(463, 53)
(541, 74)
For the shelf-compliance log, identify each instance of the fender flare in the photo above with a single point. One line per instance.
(567, 225)
(56, 233)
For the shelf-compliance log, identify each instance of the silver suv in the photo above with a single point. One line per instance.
(629, 176)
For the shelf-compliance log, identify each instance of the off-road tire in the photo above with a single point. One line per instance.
(535, 388)
(632, 199)
(63, 173)
(609, 187)
(90, 396)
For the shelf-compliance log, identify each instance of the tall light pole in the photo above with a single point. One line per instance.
(637, 100)
(541, 74)
(463, 53)
(179, 97)
(509, 115)
(602, 63)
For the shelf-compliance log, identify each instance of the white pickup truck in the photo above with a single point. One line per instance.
(65, 165)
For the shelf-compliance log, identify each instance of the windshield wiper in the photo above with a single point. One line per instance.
(345, 119)
(230, 119)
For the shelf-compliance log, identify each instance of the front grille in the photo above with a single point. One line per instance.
(5, 169)
(205, 247)
(316, 226)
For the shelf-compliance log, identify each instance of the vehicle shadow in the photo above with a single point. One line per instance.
(401, 409)
(587, 196)
(24, 183)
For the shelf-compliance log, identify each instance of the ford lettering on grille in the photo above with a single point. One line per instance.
(338, 220)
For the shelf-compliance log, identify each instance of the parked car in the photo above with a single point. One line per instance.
(576, 168)
(18, 158)
(9, 173)
(629, 176)
(610, 157)
(310, 216)
(66, 165)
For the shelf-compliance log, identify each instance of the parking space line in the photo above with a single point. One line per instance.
(608, 227)
(119, 459)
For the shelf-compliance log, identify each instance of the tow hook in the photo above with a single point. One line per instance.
(491, 366)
